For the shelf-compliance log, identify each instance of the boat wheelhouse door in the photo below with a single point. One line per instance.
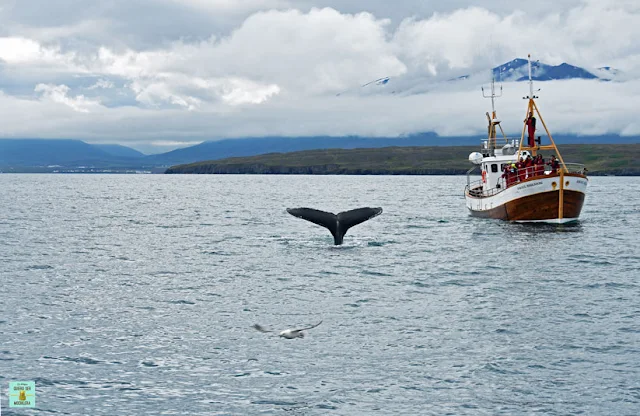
(492, 173)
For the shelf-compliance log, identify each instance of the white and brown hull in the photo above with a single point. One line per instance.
(539, 199)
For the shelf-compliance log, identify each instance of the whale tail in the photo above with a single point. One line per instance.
(339, 224)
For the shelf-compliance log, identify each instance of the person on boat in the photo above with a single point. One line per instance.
(531, 126)
(539, 165)
(521, 169)
(513, 173)
(528, 164)
(506, 174)
(554, 164)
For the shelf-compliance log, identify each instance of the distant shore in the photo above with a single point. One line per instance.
(599, 159)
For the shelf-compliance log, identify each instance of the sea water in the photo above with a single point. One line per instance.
(135, 295)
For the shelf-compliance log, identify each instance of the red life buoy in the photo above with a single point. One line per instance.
(484, 176)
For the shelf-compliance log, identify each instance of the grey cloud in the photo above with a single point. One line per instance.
(420, 9)
(138, 24)
(198, 69)
(146, 24)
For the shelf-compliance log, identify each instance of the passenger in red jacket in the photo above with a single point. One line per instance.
(539, 165)
(521, 170)
(513, 174)
(554, 164)
(531, 126)
(506, 175)
(528, 164)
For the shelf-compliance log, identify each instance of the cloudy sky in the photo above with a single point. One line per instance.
(160, 74)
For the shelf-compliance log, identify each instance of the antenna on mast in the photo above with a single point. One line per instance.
(493, 95)
(493, 119)
(530, 96)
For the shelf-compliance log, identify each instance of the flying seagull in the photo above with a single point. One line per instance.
(336, 224)
(287, 333)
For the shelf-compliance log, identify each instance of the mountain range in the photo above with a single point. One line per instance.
(66, 155)
(516, 70)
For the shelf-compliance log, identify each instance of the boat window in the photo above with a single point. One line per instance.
(494, 167)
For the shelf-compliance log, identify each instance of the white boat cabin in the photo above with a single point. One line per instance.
(492, 163)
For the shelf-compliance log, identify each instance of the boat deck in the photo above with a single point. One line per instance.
(476, 189)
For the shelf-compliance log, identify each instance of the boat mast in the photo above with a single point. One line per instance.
(530, 78)
(532, 107)
(493, 118)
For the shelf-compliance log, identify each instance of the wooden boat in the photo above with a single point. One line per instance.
(508, 191)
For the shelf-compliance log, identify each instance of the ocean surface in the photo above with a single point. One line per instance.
(135, 295)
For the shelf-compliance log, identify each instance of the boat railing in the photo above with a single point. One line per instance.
(575, 168)
(476, 188)
(499, 144)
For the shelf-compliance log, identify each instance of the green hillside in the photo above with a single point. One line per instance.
(614, 159)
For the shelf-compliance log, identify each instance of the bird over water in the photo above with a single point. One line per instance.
(287, 333)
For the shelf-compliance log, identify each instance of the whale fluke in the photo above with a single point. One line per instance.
(336, 224)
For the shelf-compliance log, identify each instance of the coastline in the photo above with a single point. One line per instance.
(601, 160)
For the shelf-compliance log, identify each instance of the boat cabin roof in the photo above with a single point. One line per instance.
(504, 158)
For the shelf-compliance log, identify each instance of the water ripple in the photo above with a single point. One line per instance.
(137, 295)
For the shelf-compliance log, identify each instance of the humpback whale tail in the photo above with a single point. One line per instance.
(336, 224)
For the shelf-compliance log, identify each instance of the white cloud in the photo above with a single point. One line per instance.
(60, 94)
(445, 112)
(102, 83)
(28, 54)
(321, 51)
(200, 93)
(237, 91)
(20, 50)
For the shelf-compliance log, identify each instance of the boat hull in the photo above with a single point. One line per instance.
(534, 200)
